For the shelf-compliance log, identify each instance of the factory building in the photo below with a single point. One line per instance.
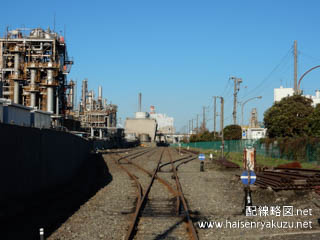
(95, 115)
(282, 92)
(33, 70)
(254, 131)
(165, 123)
(142, 126)
(34, 65)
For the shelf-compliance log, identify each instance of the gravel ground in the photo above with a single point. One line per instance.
(217, 195)
(213, 195)
(104, 215)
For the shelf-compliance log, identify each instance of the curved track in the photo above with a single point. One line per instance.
(158, 214)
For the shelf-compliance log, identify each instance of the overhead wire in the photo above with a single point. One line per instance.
(227, 92)
(265, 80)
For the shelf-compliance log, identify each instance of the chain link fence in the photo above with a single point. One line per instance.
(309, 152)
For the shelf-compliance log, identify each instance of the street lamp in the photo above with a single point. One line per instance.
(242, 106)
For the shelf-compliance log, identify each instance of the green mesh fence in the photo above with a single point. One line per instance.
(310, 153)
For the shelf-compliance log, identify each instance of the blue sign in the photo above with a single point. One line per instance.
(245, 179)
(202, 157)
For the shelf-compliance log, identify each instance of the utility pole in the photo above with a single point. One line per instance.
(221, 126)
(295, 67)
(237, 82)
(197, 123)
(192, 126)
(214, 115)
(204, 118)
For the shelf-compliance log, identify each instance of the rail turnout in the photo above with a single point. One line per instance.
(167, 211)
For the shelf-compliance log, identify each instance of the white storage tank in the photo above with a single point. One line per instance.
(141, 115)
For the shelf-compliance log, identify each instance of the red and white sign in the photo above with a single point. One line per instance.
(249, 159)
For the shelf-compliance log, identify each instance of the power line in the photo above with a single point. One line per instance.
(227, 85)
(309, 56)
(264, 81)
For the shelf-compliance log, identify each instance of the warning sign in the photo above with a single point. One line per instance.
(249, 159)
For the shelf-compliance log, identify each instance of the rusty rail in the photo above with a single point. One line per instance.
(142, 197)
(288, 179)
(141, 204)
(192, 230)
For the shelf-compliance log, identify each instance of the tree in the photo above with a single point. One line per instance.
(314, 124)
(205, 136)
(289, 118)
(232, 132)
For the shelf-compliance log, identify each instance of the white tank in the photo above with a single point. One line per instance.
(141, 115)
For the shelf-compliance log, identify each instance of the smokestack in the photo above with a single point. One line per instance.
(84, 93)
(100, 93)
(140, 95)
(104, 103)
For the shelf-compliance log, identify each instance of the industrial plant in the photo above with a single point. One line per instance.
(95, 115)
(34, 65)
(149, 127)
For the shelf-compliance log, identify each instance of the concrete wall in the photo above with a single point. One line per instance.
(139, 126)
(1, 112)
(33, 160)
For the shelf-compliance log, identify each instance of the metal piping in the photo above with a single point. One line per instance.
(16, 64)
(20, 55)
(72, 96)
(33, 83)
(104, 103)
(57, 104)
(114, 120)
(84, 94)
(50, 92)
(38, 49)
(110, 120)
(16, 92)
(16, 75)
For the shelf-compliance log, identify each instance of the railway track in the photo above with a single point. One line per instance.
(161, 210)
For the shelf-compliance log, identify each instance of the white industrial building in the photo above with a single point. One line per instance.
(165, 123)
(282, 92)
(315, 99)
(253, 133)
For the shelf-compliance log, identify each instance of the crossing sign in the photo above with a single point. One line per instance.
(202, 157)
(245, 179)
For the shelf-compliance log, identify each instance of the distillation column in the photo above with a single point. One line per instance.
(33, 86)
(16, 77)
(50, 89)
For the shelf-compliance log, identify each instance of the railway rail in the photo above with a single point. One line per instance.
(289, 179)
(166, 211)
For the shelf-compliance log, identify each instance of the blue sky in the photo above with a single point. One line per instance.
(181, 53)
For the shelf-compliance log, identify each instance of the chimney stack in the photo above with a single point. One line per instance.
(140, 96)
